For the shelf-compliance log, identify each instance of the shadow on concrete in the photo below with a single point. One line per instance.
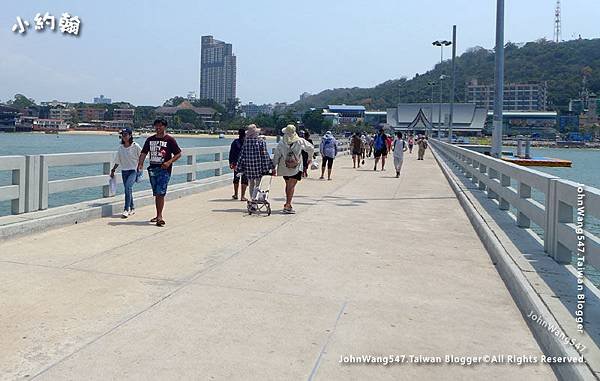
(129, 222)
(240, 210)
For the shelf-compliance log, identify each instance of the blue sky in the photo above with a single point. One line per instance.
(147, 51)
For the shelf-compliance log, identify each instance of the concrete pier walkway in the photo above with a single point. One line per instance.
(370, 265)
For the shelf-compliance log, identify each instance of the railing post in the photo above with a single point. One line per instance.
(191, 160)
(524, 192)
(18, 178)
(219, 157)
(106, 191)
(557, 212)
(482, 170)
(32, 187)
(492, 174)
(505, 182)
(43, 182)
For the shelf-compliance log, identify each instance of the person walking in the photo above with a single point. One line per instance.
(356, 148)
(234, 155)
(305, 158)
(328, 150)
(127, 158)
(398, 149)
(164, 151)
(254, 161)
(411, 143)
(369, 145)
(288, 160)
(422, 144)
(381, 149)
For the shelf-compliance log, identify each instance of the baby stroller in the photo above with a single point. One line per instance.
(259, 202)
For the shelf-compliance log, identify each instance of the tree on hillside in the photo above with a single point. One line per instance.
(559, 65)
(20, 101)
(173, 102)
(314, 121)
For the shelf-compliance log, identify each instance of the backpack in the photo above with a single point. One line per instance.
(291, 161)
(380, 142)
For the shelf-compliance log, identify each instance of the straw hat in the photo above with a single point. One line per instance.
(252, 131)
(289, 134)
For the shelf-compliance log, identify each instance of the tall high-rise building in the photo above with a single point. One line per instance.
(217, 70)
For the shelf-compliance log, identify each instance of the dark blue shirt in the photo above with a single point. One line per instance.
(235, 150)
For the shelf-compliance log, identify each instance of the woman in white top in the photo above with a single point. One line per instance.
(288, 161)
(127, 157)
(399, 148)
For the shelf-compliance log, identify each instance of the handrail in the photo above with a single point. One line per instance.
(31, 186)
(564, 201)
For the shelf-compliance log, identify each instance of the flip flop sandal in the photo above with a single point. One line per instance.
(160, 223)
(234, 197)
(154, 219)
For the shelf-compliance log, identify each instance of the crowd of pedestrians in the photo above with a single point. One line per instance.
(250, 160)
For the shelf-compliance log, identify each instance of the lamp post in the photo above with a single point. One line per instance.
(442, 77)
(499, 81)
(441, 44)
(429, 132)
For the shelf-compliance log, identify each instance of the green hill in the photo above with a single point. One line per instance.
(561, 65)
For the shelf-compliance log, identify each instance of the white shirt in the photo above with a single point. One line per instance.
(127, 158)
(399, 145)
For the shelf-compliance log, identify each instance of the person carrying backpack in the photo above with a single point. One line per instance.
(328, 149)
(380, 145)
(288, 160)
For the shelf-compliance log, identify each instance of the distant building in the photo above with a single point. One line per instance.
(25, 123)
(49, 124)
(217, 70)
(87, 114)
(279, 107)
(102, 100)
(252, 110)
(123, 114)
(61, 113)
(8, 116)
(517, 96)
(348, 114)
(375, 118)
(333, 117)
(117, 125)
(527, 122)
(419, 117)
(568, 123)
(207, 114)
(54, 103)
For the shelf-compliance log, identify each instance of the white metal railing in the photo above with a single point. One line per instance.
(16, 191)
(31, 186)
(557, 215)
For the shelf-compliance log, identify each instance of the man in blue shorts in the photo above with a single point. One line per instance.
(164, 151)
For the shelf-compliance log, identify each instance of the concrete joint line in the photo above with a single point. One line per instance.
(522, 292)
(324, 348)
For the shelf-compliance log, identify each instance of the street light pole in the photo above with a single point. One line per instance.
(430, 130)
(442, 77)
(441, 44)
(499, 77)
(452, 96)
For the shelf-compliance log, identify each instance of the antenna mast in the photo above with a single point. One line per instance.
(557, 26)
